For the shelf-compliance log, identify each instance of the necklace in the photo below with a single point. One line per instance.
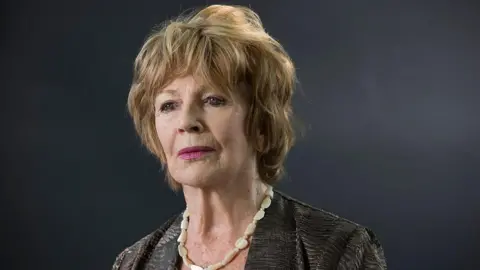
(240, 244)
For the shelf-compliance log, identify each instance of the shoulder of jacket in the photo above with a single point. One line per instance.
(308, 215)
(127, 257)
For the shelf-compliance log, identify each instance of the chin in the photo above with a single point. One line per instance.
(201, 173)
(197, 178)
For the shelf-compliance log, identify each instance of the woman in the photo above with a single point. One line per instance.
(211, 98)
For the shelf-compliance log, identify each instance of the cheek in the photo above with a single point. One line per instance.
(232, 133)
(165, 135)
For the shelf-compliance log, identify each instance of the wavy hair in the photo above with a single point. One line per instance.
(224, 46)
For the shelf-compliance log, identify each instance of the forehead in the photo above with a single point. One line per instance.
(184, 84)
(192, 85)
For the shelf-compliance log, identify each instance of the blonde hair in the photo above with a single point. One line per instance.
(224, 46)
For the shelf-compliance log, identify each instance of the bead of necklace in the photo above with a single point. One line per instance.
(240, 244)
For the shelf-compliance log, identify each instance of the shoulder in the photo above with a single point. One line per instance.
(314, 220)
(141, 249)
(334, 238)
(125, 259)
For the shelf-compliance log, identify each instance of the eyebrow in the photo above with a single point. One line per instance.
(172, 92)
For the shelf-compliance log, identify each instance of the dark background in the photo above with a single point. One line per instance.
(389, 95)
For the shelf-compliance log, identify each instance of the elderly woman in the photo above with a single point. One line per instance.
(211, 98)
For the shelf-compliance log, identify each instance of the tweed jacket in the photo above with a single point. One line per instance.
(292, 235)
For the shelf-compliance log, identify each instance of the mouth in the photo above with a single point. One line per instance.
(194, 152)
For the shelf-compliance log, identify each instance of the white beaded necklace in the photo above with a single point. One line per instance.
(240, 244)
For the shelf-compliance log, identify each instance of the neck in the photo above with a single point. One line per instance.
(221, 210)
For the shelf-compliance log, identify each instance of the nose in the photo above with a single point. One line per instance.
(190, 121)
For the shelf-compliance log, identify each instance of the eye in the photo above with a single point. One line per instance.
(215, 101)
(167, 106)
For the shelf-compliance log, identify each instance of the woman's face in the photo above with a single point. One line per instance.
(202, 134)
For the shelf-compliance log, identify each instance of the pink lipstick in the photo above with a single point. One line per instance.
(194, 152)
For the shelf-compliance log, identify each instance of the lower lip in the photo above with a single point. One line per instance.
(194, 155)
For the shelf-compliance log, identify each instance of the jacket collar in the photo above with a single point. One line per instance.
(273, 244)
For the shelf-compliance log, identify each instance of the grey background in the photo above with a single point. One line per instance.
(389, 95)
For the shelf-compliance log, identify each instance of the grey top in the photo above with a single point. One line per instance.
(292, 235)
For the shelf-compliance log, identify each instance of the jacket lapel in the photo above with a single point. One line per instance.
(165, 254)
(274, 242)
